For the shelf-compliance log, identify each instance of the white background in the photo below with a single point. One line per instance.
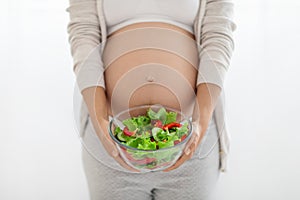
(39, 147)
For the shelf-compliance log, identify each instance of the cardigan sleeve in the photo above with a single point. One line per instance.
(216, 42)
(84, 36)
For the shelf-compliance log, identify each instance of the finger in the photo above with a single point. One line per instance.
(192, 143)
(196, 128)
(109, 146)
(115, 154)
(113, 149)
(188, 149)
(188, 152)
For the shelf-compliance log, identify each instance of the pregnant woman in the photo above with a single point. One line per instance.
(135, 52)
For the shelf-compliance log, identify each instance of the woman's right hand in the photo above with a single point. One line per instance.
(109, 144)
(95, 99)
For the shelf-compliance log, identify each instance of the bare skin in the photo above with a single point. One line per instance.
(148, 94)
(98, 100)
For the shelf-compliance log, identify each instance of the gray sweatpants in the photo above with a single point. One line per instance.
(194, 180)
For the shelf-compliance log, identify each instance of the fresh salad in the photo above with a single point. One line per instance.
(152, 131)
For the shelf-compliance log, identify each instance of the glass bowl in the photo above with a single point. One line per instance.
(149, 160)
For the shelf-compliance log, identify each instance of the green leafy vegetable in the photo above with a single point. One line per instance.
(142, 120)
(171, 117)
(161, 114)
(148, 136)
(182, 130)
(165, 144)
(117, 131)
(157, 133)
(130, 123)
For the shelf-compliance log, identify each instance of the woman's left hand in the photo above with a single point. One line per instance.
(199, 130)
(207, 96)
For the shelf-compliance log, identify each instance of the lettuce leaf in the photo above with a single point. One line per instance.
(142, 121)
(158, 134)
(142, 143)
(171, 117)
(134, 142)
(130, 123)
(182, 130)
(147, 145)
(165, 144)
(161, 114)
(117, 131)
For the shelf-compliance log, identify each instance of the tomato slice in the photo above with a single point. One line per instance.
(127, 132)
(171, 125)
(157, 123)
(176, 142)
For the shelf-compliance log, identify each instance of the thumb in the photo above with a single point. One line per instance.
(115, 153)
(113, 148)
(196, 130)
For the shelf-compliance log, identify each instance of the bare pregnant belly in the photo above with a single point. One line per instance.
(150, 63)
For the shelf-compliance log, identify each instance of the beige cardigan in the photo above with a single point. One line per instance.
(213, 29)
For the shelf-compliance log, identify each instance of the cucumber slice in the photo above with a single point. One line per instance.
(117, 130)
(121, 136)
